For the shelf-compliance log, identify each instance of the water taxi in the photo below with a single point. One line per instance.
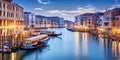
(34, 42)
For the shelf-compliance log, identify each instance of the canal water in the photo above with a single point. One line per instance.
(71, 46)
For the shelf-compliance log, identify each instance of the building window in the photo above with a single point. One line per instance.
(0, 4)
(89, 22)
(17, 9)
(117, 18)
(4, 13)
(0, 22)
(13, 8)
(7, 14)
(32, 21)
(0, 12)
(8, 6)
(4, 6)
(106, 23)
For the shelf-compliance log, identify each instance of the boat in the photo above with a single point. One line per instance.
(5, 49)
(54, 34)
(51, 32)
(34, 42)
(35, 32)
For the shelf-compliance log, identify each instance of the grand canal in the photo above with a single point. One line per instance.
(71, 46)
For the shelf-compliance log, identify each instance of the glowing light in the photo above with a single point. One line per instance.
(86, 27)
(119, 31)
(101, 29)
(10, 27)
(76, 26)
(65, 25)
(13, 56)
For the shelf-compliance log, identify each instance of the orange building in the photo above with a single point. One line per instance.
(11, 17)
(91, 20)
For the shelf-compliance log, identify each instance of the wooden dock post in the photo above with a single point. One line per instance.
(3, 44)
(9, 42)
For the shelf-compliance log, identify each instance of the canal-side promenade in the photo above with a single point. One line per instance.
(13, 41)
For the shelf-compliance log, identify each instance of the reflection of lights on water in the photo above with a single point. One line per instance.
(84, 43)
(116, 49)
(13, 56)
(77, 45)
(1, 56)
(101, 41)
(101, 44)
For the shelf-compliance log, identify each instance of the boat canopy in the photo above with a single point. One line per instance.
(35, 38)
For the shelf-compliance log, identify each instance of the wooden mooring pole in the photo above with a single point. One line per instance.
(9, 43)
(2, 44)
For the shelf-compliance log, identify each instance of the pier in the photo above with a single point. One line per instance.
(13, 41)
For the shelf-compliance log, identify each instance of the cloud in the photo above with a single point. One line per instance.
(57, 12)
(115, 5)
(116, 1)
(71, 13)
(39, 9)
(79, 10)
(44, 2)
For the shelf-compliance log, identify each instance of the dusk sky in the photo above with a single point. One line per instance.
(66, 8)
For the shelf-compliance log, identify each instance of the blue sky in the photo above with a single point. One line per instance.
(66, 8)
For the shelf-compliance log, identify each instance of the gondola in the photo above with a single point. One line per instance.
(55, 34)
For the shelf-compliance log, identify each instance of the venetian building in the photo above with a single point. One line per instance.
(11, 17)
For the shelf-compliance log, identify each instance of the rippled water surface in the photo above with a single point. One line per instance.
(71, 46)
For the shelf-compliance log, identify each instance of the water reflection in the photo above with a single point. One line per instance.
(59, 37)
(77, 50)
(85, 43)
(1, 57)
(13, 56)
(34, 54)
(101, 45)
(71, 46)
(4, 56)
(116, 49)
